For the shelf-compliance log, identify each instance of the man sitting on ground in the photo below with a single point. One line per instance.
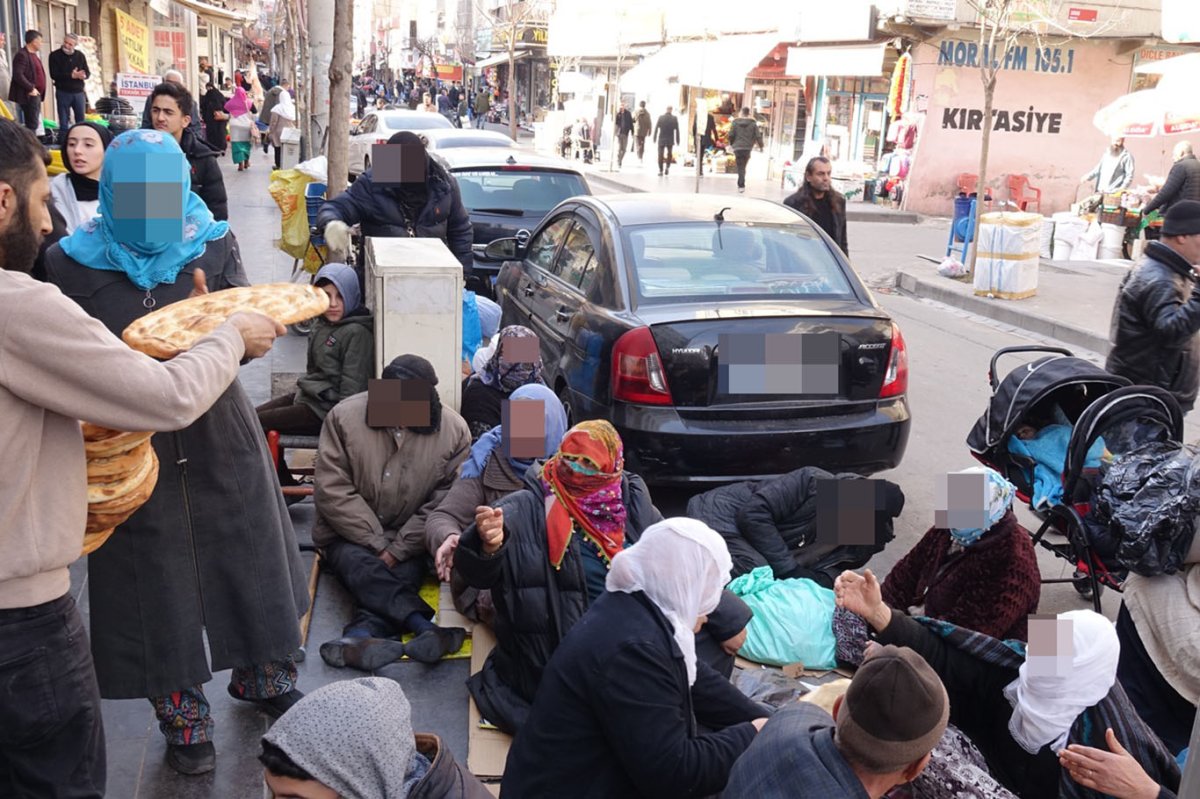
(386, 459)
(881, 735)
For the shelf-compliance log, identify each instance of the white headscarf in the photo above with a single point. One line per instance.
(1050, 692)
(681, 565)
(285, 106)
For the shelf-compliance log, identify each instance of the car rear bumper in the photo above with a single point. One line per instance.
(665, 448)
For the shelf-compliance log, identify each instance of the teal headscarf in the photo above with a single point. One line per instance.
(997, 498)
(146, 240)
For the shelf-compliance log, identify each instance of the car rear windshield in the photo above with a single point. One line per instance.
(529, 191)
(416, 122)
(693, 261)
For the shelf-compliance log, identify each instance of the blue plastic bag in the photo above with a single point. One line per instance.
(472, 335)
(792, 623)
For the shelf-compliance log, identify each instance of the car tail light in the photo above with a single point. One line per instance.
(637, 370)
(895, 379)
(510, 168)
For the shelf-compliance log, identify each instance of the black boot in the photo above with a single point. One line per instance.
(192, 759)
(366, 654)
(432, 645)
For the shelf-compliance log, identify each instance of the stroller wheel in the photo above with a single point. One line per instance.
(301, 328)
(1083, 584)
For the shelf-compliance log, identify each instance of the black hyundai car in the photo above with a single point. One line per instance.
(725, 338)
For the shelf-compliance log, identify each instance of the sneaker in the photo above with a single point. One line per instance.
(274, 707)
(192, 759)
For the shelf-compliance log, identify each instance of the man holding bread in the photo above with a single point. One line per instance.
(58, 366)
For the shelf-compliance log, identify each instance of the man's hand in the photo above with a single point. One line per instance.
(388, 559)
(444, 559)
(1115, 772)
(490, 523)
(861, 594)
(258, 332)
(34, 92)
(337, 236)
(199, 284)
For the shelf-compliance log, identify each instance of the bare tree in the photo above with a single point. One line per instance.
(509, 18)
(339, 98)
(426, 49)
(1002, 25)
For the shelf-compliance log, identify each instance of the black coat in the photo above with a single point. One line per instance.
(1154, 324)
(207, 181)
(666, 130)
(615, 716)
(61, 67)
(212, 554)
(535, 604)
(1183, 183)
(624, 123)
(803, 201)
(380, 213)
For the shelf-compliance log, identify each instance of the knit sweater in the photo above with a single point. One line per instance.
(990, 587)
(58, 365)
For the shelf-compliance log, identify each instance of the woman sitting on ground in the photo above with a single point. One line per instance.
(496, 467)
(623, 699)
(984, 578)
(341, 358)
(515, 362)
(1021, 709)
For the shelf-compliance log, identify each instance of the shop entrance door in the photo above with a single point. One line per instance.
(54, 20)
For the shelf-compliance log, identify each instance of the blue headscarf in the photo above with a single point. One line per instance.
(997, 498)
(556, 428)
(107, 242)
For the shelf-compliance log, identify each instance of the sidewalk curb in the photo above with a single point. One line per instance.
(1004, 311)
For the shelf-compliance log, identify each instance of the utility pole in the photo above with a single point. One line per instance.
(319, 33)
(339, 98)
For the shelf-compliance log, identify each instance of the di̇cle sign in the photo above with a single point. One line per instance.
(1022, 58)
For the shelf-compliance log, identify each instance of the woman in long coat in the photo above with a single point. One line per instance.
(216, 121)
(212, 553)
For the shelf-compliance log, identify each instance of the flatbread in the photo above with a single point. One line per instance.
(92, 541)
(114, 445)
(119, 485)
(103, 470)
(175, 328)
(132, 499)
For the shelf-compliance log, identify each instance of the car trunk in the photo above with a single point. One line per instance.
(821, 358)
(489, 227)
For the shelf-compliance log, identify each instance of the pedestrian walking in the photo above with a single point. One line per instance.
(483, 104)
(666, 136)
(706, 138)
(241, 127)
(28, 89)
(820, 202)
(52, 739)
(1157, 313)
(624, 125)
(68, 70)
(216, 121)
(283, 116)
(744, 136)
(643, 125)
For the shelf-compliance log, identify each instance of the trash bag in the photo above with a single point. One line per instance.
(951, 267)
(472, 335)
(287, 189)
(792, 623)
(1147, 506)
(768, 686)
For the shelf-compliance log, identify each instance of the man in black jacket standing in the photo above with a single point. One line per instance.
(666, 135)
(624, 125)
(171, 109)
(1183, 181)
(1157, 312)
(820, 202)
(68, 70)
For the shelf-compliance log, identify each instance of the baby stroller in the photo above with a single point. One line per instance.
(1104, 412)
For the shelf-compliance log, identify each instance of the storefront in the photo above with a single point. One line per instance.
(779, 104)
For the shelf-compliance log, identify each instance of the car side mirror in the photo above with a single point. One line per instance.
(503, 250)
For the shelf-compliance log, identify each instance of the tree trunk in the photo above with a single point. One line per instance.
(339, 98)
(989, 93)
(512, 82)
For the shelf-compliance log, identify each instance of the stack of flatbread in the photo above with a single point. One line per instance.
(122, 471)
(174, 328)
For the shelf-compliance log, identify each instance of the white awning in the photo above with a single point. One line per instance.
(215, 13)
(500, 58)
(719, 64)
(857, 61)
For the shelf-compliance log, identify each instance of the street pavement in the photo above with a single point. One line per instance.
(948, 350)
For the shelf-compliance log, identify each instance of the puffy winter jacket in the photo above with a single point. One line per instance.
(207, 181)
(341, 359)
(535, 603)
(1154, 325)
(380, 213)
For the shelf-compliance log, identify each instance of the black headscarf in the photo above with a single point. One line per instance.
(86, 189)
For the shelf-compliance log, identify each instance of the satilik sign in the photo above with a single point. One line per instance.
(1022, 121)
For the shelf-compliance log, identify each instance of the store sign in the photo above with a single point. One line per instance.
(1081, 14)
(136, 89)
(1023, 121)
(930, 9)
(1020, 58)
(526, 34)
(133, 43)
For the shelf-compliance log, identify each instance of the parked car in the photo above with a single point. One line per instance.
(379, 126)
(442, 139)
(725, 338)
(507, 192)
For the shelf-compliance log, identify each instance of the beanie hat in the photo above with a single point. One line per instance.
(1183, 219)
(894, 712)
(414, 367)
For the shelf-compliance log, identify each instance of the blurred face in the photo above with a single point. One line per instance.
(337, 307)
(35, 45)
(821, 177)
(86, 152)
(165, 115)
(23, 225)
(288, 788)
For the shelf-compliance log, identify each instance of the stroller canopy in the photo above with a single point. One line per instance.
(1026, 386)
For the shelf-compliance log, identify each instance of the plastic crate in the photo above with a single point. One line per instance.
(1113, 217)
(314, 198)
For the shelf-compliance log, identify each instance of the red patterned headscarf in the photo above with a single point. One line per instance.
(583, 486)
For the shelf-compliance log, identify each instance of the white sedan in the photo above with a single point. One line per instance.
(379, 126)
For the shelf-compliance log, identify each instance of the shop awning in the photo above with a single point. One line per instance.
(500, 58)
(719, 64)
(215, 14)
(856, 61)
